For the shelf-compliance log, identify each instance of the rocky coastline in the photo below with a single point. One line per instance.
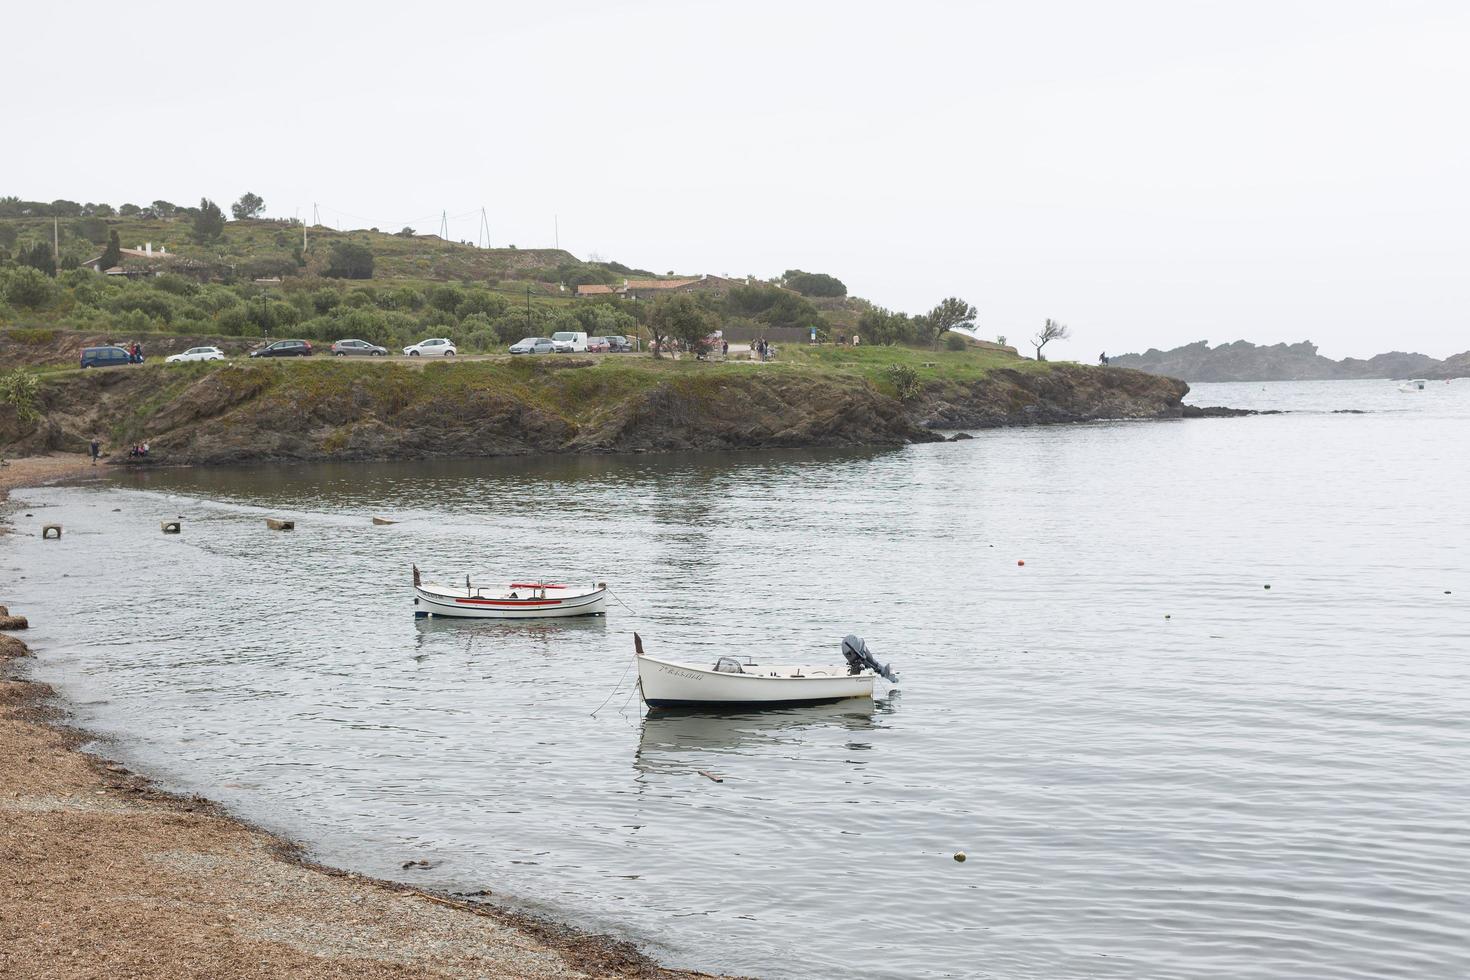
(243, 413)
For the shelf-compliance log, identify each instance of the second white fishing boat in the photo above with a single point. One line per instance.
(517, 600)
(733, 683)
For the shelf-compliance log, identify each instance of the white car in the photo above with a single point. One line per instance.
(570, 342)
(196, 354)
(433, 347)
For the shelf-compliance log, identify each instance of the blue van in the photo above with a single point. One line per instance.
(104, 357)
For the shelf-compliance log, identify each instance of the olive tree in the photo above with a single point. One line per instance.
(678, 317)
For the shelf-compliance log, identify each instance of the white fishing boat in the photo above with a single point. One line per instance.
(736, 683)
(515, 600)
(1417, 384)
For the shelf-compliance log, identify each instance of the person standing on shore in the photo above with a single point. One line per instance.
(96, 448)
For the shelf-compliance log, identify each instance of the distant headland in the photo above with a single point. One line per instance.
(1244, 361)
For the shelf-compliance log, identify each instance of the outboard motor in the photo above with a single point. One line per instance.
(855, 652)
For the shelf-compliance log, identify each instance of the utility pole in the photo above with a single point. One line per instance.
(444, 225)
(56, 241)
(484, 228)
(556, 226)
(528, 311)
(316, 215)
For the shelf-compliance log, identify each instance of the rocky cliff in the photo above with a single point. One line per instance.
(1243, 361)
(244, 412)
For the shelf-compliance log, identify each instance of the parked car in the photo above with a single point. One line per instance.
(344, 348)
(433, 347)
(570, 342)
(533, 345)
(104, 357)
(597, 345)
(284, 348)
(196, 354)
(618, 345)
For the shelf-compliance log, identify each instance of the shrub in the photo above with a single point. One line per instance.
(32, 336)
(325, 300)
(954, 341)
(156, 306)
(445, 298)
(483, 301)
(20, 390)
(29, 288)
(175, 284)
(402, 298)
(349, 260)
(905, 381)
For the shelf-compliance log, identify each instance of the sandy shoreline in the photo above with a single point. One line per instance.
(101, 874)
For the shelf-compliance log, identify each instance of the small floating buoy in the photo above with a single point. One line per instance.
(1167, 616)
(959, 856)
(1268, 586)
(1020, 563)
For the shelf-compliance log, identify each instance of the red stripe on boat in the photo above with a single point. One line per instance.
(510, 602)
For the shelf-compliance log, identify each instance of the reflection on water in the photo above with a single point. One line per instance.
(1158, 767)
(673, 741)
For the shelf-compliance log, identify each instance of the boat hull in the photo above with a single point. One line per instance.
(436, 602)
(665, 684)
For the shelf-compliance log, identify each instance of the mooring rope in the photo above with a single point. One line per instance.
(614, 690)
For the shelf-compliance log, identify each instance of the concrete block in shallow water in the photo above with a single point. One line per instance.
(279, 525)
(47, 529)
(171, 527)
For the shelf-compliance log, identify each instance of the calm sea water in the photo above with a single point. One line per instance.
(1158, 767)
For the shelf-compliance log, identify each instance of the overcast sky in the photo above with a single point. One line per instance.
(1151, 173)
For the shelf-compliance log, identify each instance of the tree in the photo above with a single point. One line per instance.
(407, 232)
(1052, 330)
(879, 326)
(38, 256)
(129, 210)
(209, 223)
(166, 210)
(813, 283)
(249, 206)
(349, 260)
(679, 317)
(950, 313)
(112, 254)
(28, 287)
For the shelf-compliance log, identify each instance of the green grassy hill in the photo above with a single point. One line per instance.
(259, 278)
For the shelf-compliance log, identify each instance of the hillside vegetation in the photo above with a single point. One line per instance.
(199, 274)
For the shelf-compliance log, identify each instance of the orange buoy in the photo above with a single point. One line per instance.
(1020, 563)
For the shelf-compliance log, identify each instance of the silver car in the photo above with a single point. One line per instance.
(533, 345)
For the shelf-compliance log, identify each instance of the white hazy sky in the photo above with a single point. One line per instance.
(1151, 172)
